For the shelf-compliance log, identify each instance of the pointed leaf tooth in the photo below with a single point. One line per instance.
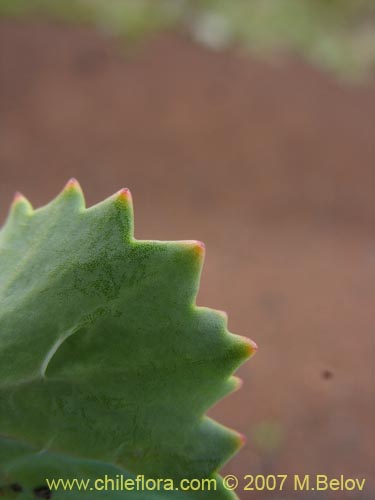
(245, 347)
(200, 248)
(72, 193)
(232, 384)
(197, 247)
(179, 262)
(252, 347)
(241, 440)
(124, 206)
(17, 197)
(192, 258)
(116, 211)
(20, 206)
(20, 199)
(70, 198)
(73, 185)
(238, 350)
(124, 196)
(220, 442)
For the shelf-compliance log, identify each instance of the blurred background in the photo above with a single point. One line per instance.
(249, 125)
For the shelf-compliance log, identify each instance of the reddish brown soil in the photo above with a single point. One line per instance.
(272, 166)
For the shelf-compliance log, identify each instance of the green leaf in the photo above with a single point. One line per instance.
(106, 362)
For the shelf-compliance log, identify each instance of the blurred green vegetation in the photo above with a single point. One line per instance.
(130, 18)
(336, 34)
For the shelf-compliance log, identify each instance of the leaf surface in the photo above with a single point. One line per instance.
(106, 361)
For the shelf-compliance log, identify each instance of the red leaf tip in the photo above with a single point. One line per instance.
(72, 184)
(252, 347)
(242, 439)
(199, 248)
(124, 195)
(17, 197)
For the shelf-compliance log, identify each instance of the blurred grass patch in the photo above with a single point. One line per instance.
(130, 18)
(336, 34)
